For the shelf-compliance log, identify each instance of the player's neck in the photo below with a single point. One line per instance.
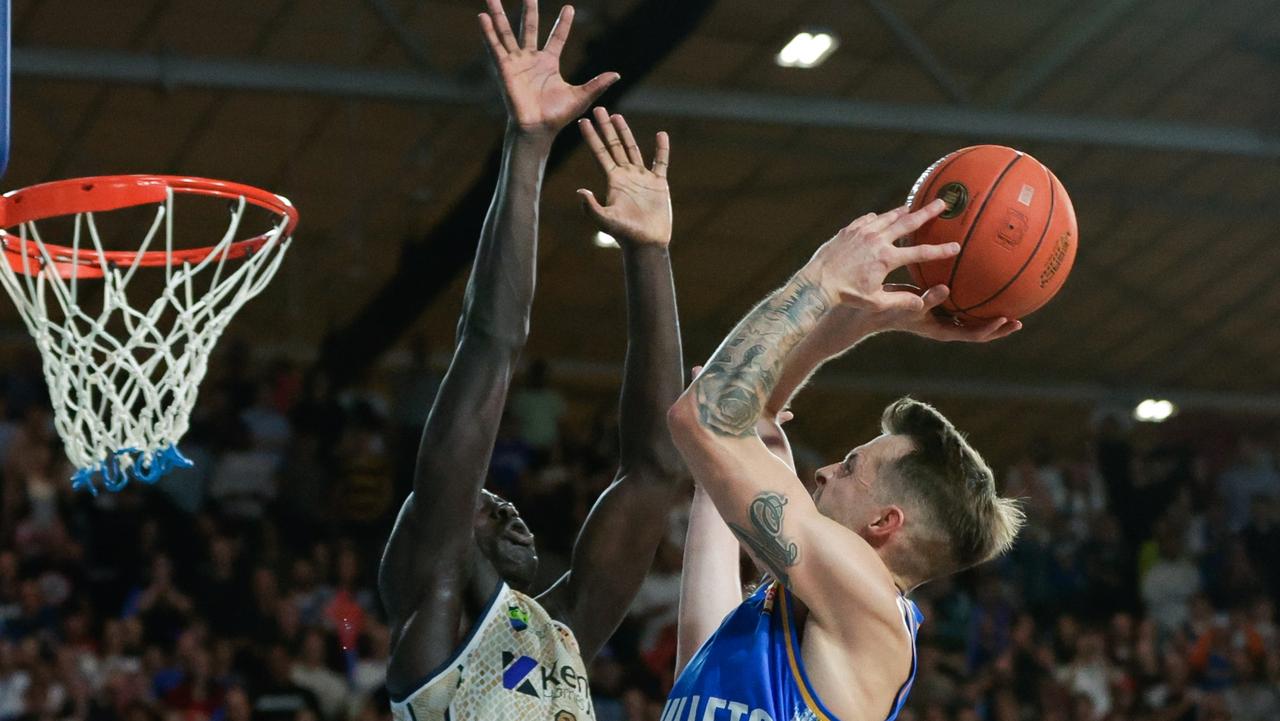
(902, 582)
(484, 581)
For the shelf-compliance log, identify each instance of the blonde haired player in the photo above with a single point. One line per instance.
(832, 635)
(468, 641)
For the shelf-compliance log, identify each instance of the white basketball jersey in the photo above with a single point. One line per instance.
(517, 664)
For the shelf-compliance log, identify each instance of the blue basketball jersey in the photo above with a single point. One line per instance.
(751, 670)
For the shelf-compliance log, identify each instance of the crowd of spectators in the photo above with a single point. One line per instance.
(243, 589)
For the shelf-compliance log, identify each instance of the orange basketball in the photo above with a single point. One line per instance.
(1015, 226)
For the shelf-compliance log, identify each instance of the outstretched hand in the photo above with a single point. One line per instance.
(537, 97)
(637, 205)
(927, 323)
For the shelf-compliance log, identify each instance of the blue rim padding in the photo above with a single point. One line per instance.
(115, 478)
(4, 85)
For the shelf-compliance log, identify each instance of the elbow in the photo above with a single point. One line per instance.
(684, 422)
(682, 417)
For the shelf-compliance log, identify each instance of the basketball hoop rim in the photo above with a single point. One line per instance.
(115, 192)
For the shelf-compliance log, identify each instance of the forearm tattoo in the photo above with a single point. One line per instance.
(738, 380)
(765, 538)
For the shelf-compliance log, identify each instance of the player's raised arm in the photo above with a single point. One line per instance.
(845, 326)
(616, 546)
(424, 563)
(711, 580)
(714, 423)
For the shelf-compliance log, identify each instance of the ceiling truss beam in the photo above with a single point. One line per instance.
(407, 86)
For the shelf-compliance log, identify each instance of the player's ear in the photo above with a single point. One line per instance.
(888, 521)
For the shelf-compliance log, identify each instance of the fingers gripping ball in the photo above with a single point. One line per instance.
(1015, 225)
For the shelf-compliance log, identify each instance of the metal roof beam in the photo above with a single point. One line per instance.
(947, 120)
(171, 71)
(919, 50)
(1068, 46)
(941, 386)
(408, 42)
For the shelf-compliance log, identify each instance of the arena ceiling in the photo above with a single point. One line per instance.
(376, 116)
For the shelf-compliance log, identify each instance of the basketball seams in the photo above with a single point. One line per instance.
(976, 217)
(1062, 277)
(1053, 203)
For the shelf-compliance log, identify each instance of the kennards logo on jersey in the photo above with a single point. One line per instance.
(525, 675)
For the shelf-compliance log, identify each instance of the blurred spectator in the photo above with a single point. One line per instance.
(511, 461)
(1262, 541)
(1128, 598)
(1252, 475)
(655, 611)
(1090, 676)
(277, 697)
(268, 427)
(220, 596)
(413, 389)
(243, 480)
(364, 488)
(160, 606)
(197, 695)
(1170, 581)
(311, 673)
(369, 672)
(538, 408)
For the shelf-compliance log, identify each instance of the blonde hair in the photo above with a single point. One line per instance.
(955, 489)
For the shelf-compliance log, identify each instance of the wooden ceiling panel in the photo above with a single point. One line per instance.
(757, 23)
(899, 80)
(989, 35)
(1173, 281)
(76, 23)
(705, 61)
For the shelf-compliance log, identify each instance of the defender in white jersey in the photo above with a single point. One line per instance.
(518, 663)
(468, 643)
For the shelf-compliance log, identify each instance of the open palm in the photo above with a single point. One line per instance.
(537, 97)
(637, 204)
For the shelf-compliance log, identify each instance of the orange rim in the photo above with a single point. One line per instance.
(113, 192)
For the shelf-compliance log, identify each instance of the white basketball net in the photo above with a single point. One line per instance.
(122, 403)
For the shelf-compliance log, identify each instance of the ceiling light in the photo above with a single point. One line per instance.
(1154, 411)
(604, 240)
(807, 50)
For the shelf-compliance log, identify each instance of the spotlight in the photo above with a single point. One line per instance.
(807, 50)
(1154, 411)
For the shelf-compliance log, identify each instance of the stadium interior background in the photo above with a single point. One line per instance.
(1144, 588)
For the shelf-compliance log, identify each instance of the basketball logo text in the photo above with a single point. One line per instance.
(1055, 260)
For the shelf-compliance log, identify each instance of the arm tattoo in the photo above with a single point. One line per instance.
(737, 381)
(765, 538)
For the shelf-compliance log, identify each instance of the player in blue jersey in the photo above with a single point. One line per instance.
(831, 634)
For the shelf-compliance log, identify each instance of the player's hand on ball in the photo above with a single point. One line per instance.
(853, 265)
(637, 207)
(930, 324)
(538, 99)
